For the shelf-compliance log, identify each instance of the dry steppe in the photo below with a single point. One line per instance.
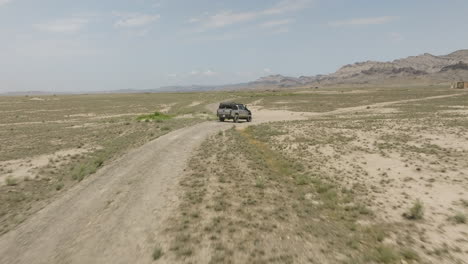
(336, 175)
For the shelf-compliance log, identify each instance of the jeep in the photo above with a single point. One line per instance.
(234, 112)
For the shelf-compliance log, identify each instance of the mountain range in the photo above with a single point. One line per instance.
(426, 68)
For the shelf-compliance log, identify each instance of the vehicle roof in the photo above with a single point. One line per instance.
(230, 103)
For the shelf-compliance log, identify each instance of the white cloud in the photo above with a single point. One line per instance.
(267, 70)
(364, 21)
(4, 2)
(209, 73)
(227, 18)
(396, 37)
(287, 6)
(275, 23)
(157, 4)
(194, 20)
(69, 25)
(172, 75)
(131, 20)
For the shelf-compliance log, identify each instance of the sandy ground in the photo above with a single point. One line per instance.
(115, 216)
(29, 168)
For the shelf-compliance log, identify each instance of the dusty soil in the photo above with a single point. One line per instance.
(116, 216)
(29, 168)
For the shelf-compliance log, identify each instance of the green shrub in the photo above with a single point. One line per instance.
(260, 183)
(410, 254)
(157, 253)
(156, 116)
(459, 218)
(59, 186)
(384, 254)
(416, 212)
(10, 181)
(301, 180)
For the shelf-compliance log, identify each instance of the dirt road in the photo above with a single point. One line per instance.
(115, 215)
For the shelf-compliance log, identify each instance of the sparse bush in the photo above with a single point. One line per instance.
(410, 254)
(59, 186)
(459, 218)
(99, 161)
(416, 212)
(260, 183)
(464, 202)
(79, 173)
(157, 253)
(10, 181)
(156, 116)
(301, 180)
(385, 255)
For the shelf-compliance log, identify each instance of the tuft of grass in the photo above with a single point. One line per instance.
(10, 181)
(464, 202)
(260, 183)
(59, 186)
(384, 254)
(301, 180)
(416, 212)
(82, 171)
(157, 253)
(459, 218)
(156, 116)
(410, 254)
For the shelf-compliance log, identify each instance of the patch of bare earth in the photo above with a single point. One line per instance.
(28, 169)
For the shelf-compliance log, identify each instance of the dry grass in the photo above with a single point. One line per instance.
(262, 207)
(331, 189)
(94, 128)
(326, 190)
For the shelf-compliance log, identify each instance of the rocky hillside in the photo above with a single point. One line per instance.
(422, 68)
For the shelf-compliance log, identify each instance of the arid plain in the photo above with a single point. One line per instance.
(330, 175)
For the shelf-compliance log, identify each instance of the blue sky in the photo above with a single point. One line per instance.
(89, 45)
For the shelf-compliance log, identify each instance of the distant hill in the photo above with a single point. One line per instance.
(426, 68)
(29, 93)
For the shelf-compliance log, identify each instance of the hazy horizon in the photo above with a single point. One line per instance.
(85, 46)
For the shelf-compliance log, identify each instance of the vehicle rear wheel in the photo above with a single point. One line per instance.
(221, 119)
(236, 119)
(249, 119)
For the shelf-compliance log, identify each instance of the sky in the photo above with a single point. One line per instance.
(90, 45)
